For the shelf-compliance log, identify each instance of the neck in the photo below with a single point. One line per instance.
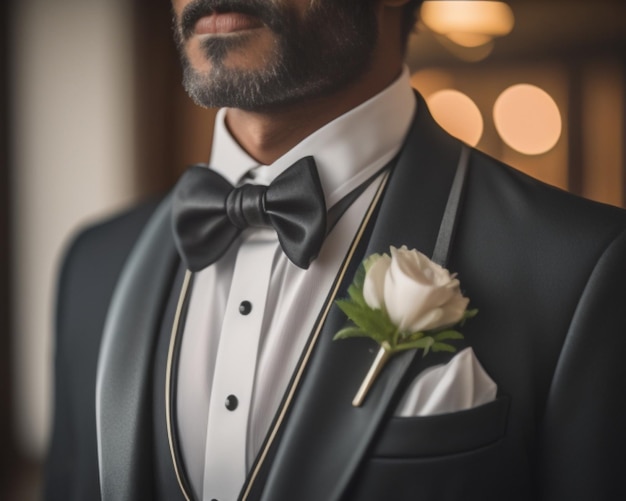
(268, 135)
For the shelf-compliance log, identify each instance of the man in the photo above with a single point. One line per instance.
(224, 382)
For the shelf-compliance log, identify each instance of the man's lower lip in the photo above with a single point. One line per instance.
(229, 22)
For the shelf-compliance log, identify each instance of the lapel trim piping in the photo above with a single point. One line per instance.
(182, 300)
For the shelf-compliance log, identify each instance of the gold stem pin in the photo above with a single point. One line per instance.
(381, 359)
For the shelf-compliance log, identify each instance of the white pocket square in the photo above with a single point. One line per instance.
(460, 384)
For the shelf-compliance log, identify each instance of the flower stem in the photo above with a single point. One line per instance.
(379, 362)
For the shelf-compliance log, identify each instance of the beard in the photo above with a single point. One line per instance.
(312, 55)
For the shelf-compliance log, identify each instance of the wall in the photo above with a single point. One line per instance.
(73, 154)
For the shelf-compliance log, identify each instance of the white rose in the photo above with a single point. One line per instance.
(417, 293)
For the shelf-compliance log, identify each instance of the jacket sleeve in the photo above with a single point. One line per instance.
(583, 443)
(67, 442)
(88, 277)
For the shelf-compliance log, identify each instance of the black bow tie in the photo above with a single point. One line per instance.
(209, 213)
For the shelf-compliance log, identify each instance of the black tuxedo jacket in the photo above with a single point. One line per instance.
(545, 269)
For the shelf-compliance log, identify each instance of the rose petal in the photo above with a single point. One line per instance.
(373, 287)
(423, 323)
(407, 296)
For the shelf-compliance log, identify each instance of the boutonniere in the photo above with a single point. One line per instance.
(403, 301)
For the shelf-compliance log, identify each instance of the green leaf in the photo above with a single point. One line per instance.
(373, 322)
(410, 337)
(356, 294)
(355, 290)
(425, 343)
(348, 332)
(427, 349)
(443, 347)
(448, 334)
(349, 307)
(359, 277)
(468, 314)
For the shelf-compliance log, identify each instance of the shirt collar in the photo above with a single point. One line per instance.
(347, 150)
(227, 157)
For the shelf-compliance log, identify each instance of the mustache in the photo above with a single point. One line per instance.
(264, 10)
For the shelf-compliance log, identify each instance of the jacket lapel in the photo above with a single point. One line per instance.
(324, 439)
(123, 386)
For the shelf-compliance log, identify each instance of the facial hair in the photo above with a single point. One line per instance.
(312, 56)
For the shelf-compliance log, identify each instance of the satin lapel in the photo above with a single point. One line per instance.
(324, 438)
(123, 386)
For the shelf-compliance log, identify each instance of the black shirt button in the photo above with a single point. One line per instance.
(245, 307)
(231, 402)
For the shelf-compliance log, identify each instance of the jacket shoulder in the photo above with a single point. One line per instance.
(527, 202)
(118, 231)
(92, 263)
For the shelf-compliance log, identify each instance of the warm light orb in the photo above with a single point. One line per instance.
(527, 119)
(469, 40)
(468, 23)
(457, 114)
(469, 54)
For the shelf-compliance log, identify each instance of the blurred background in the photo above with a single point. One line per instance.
(93, 118)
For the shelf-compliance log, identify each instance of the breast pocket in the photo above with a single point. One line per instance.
(453, 456)
(444, 434)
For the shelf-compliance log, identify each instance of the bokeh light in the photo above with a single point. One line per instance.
(527, 119)
(457, 114)
(468, 23)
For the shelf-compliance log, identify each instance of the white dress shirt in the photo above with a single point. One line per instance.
(251, 312)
